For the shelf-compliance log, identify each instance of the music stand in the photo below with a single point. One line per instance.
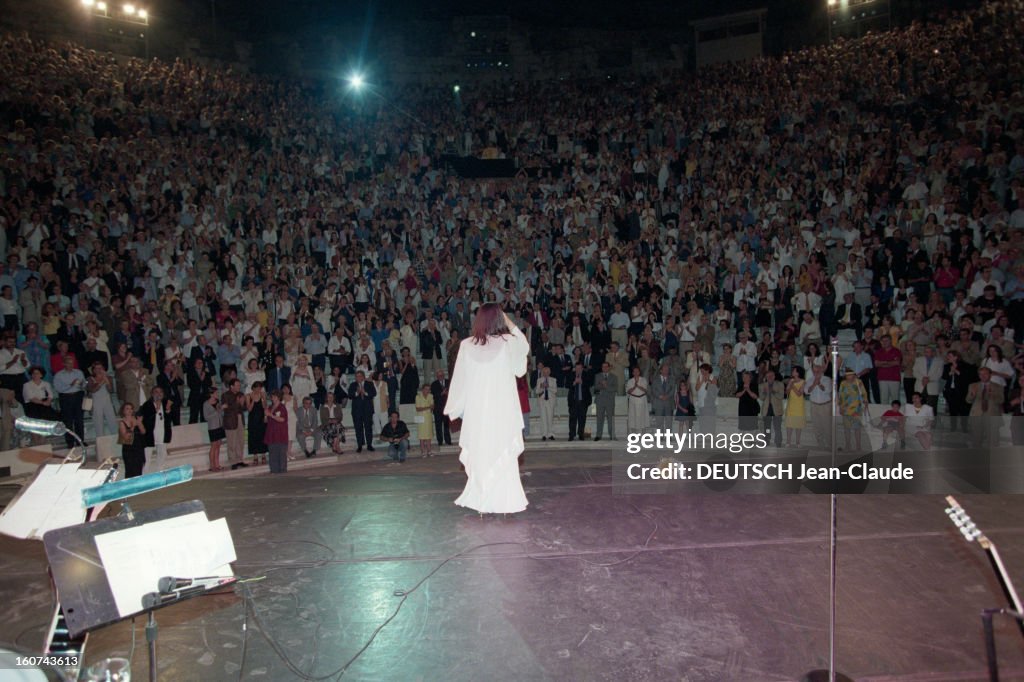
(82, 580)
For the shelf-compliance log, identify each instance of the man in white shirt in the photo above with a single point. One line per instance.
(155, 414)
(13, 363)
(928, 377)
(746, 357)
(232, 293)
(806, 301)
(818, 390)
(984, 279)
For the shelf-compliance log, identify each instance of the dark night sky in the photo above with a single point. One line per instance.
(553, 13)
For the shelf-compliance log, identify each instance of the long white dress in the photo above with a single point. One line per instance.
(293, 423)
(639, 409)
(483, 393)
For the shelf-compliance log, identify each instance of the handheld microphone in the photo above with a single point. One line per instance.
(169, 584)
(155, 599)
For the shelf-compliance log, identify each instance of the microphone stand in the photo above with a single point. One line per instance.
(151, 633)
(830, 674)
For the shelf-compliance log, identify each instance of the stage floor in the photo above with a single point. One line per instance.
(584, 585)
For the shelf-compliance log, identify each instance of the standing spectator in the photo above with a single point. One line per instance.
(361, 394)
(130, 431)
(38, 397)
(13, 363)
(748, 407)
(957, 377)
(523, 390)
(439, 390)
(233, 408)
(200, 384)
(860, 362)
(662, 392)
(888, 361)
(853, 407)
(998, 366)
(928, 378)
(579, 402)
(796, 407)
(685, 410)
(101, 388)
(986, 400)
(212, 415)
(771, 395)
(425, 419)
(546, 391)
(315, 346)
(70, 386)
(409, 378)
(257, 405)
(746, 357)
(638, 416)
(818, 390)
(431, 348)
(908, 352)
(618, 359)
(155, 414)
(1017, 416)
(606, 389)
(277, 434)
(278, 375)
(385, 384)
(170, 381)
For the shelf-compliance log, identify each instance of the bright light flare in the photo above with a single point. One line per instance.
(356, 80)
(88, 3)
(101, 6)
(129, 9)
(143, 14)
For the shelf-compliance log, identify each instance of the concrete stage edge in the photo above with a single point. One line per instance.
(584, 585)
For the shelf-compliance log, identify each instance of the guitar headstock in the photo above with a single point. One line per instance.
(958, 515)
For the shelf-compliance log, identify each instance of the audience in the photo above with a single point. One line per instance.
(206, 224)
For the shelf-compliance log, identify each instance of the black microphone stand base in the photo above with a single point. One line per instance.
(822, 675)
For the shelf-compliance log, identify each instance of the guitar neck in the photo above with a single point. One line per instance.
(972, 533)
(1004, 579)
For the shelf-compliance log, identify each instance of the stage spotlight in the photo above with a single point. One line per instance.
(129, 9)
(833, 3)
(456, 89)
(143, 14)
(356, 80)
(88, 3)
(101, 6)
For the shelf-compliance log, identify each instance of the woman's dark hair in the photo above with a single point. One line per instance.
(488, 322)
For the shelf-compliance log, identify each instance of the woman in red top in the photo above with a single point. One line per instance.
(276, 437)
(946, 278)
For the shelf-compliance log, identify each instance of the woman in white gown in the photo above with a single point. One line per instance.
(483, 394)
(638, 417)
(288, 400)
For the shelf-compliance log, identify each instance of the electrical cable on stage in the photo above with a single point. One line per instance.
(249, 601)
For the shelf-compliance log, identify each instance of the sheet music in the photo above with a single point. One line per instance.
(189, 546)
(51, 500)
